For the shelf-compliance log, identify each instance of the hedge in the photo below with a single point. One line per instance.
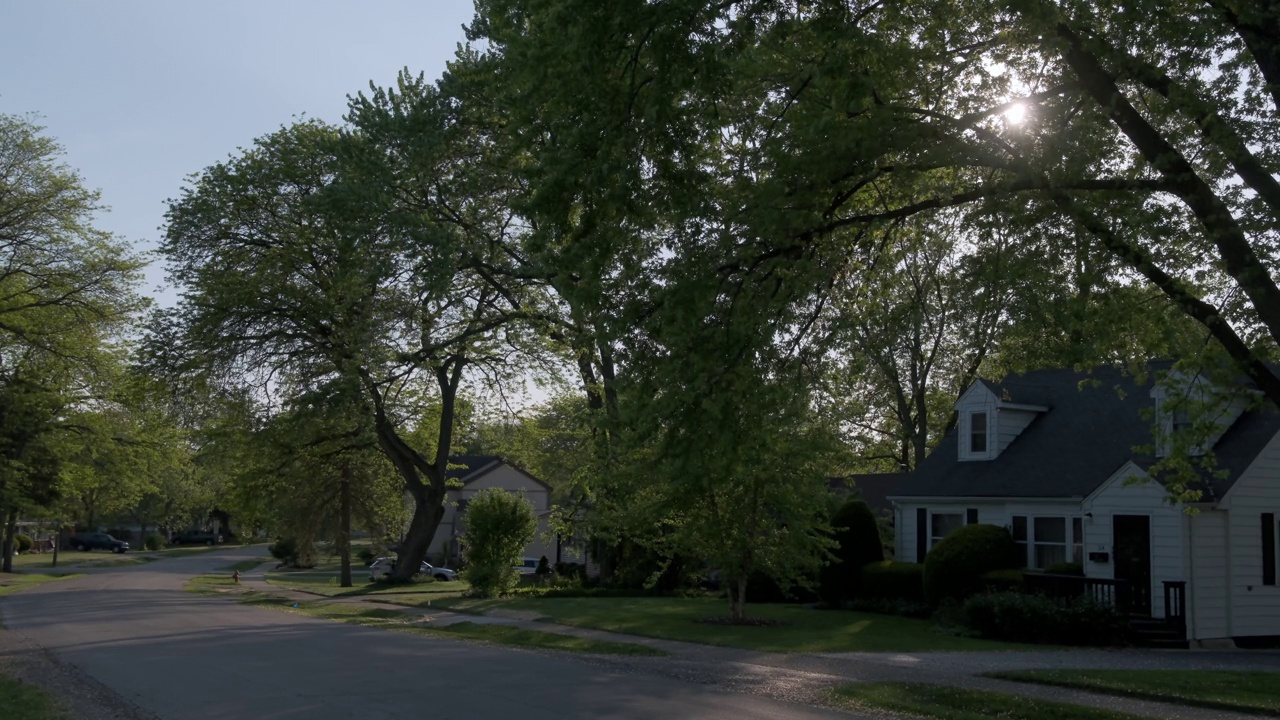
(1041, 619)
(953, 569)
(889, 580)
(856, 531)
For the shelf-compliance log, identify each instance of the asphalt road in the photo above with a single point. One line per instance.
(187, 657)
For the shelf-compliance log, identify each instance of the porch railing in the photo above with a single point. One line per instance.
(1175, 605)
(1101, 590)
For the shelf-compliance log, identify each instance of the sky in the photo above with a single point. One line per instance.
(143, 93)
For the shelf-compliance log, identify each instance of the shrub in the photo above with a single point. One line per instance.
(285, 550)
(572, 570)
(367, 555)
(499, 526)
(889, 580)
(154, 541)
(857, 533)
(1004, 581)
(22, 543)
(955, 566)
(1066, 568)
(544, 567)
(1040, 619)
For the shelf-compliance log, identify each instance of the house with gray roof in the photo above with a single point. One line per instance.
(1067, 461)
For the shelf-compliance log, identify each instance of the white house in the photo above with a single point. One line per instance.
(477, 472)
(1061, 458)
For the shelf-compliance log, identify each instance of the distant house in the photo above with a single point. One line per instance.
(872, 488)
(477, 472)
(1057, 458)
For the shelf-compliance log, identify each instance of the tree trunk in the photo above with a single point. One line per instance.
(738, 599)
(344, 531)
(10, 532)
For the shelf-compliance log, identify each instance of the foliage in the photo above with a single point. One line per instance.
(285, 550)
(891, 580)
(154, 542)
(23, 543)
(498, 527)
(1044, 620)
(954, 567)
(1011, 580)
(29, 701)
(857, 533)
(1066, 568)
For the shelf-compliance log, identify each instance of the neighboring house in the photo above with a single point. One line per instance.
(1057, 458)
(475, 473)
(872, 488)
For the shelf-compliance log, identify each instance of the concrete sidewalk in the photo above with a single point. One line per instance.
(804, 677)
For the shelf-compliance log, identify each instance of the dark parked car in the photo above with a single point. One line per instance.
(195, 537)
(98, 541)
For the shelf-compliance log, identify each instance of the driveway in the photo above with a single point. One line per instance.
(184, 656)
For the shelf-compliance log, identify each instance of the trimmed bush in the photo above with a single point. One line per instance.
(889, 580)
(1004, 581)
(953, 569)
(1040, 619)
(367, 556)
(1066, 568)
(285, 550)
(499, 526)
(855, 528)
(22, 543)
(154, 542)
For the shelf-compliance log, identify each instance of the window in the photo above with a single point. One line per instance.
(978, 432)
(942, 525)
(1019, 531)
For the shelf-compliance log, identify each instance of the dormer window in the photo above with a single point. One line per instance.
(978, 432)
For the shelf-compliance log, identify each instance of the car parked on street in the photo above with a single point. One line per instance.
(379, 569)
(98, 541)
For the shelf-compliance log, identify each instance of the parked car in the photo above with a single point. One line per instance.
(379, 569)
(98, 541)
(196, 537)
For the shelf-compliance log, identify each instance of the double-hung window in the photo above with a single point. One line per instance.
(978, 432)
(942, 525)
(1048, 540)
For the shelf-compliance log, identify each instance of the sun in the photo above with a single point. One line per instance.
(1015, 113)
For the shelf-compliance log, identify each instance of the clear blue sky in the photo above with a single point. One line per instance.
(142, 93)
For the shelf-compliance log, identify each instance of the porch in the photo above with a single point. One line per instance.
(1167, 631)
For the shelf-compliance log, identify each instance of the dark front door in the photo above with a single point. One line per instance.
(1132, 540)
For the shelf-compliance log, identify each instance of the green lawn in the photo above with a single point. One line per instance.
(99, 558)
(948, 703)
(13, 582)
(22, 700)
(805, 630)
(358, 614)
(1251, 692)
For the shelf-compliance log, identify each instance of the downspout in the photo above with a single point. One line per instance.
(1189, 569)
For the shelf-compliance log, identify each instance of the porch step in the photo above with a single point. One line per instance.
(1155, 633)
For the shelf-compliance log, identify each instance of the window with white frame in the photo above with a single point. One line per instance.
(942, 525)
(1048, 540)
(978, 432)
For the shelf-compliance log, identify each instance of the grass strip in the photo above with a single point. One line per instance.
(951, 703)
(799, 629)
(386, 618)
(22, 700)
(16, 582)
(1242, 691)
(326, 583)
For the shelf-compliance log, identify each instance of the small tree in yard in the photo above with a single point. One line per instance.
(856, 530)
(499, 526)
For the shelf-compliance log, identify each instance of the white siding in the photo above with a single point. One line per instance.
(1255, 607)
(1119, 497)
(506, 478)
(1207, 591)
(1011, 423)
(989, 513)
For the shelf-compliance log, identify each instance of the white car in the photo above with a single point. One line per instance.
(379, 569)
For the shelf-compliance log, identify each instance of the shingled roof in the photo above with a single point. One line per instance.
(1093, 424)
